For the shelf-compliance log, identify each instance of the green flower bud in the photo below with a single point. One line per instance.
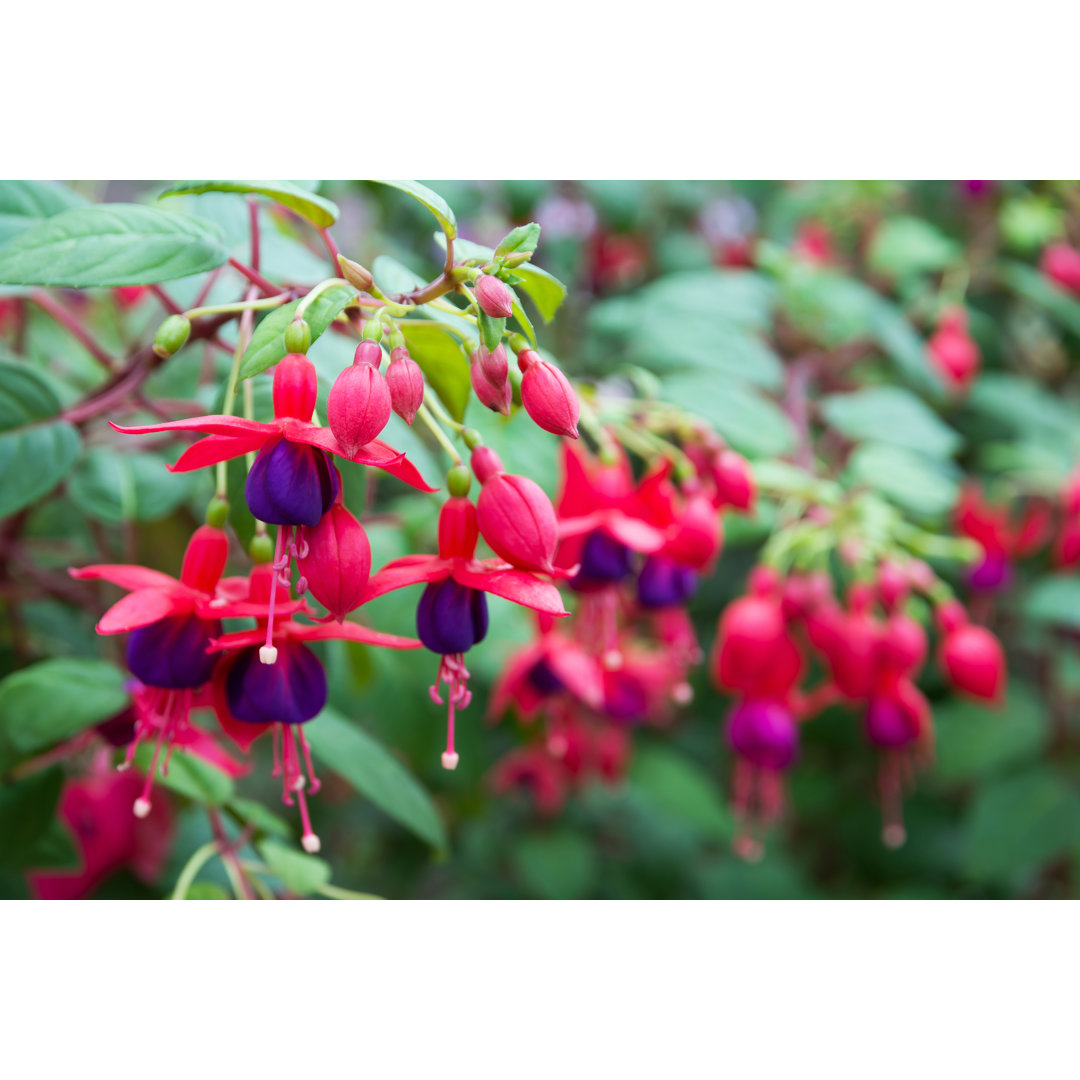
(297, 337)
(171, 336)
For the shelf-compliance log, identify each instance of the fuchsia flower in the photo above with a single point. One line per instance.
(292, 482)
(359, 405)
(1003, 537)
(171, 623)
(405, 381)
(252, 695)
(494, 298)
(452, 614)
(547, 395)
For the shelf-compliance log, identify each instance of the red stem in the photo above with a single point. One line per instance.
(255, 277)
(73, 326)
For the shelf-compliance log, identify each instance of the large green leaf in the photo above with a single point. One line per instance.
(675, 786)
(36, 449)
(907, 246)
(912, 480)
(555, 864)
(24, 203)
(112, 487)
(315, 208)
(431, 199)
(890, 414)
(189, 776)
(300, 873)
(267, 345)
(1055, 600)
(111, 244)
(52, 700)
(444, 361)
(366, 764)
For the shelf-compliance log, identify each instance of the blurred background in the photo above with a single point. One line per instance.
(999, 813)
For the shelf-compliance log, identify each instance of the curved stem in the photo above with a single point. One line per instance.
(308, 300)
(192, 868)
(73, 326)
(440, 436)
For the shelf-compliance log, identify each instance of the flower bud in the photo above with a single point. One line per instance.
(1061, 264)
(485, 463)
(974, 662)
(494, 365)
(297, 336)
(171, 336)
(356, 275)
(547, 395)
(405, 381)
(517, 519)
(734, 481)
(368, 352)
(296, 387)
(494, 298)
(338, 561)
(952, 351)
(498, 400)
(204, 560)
(358, 407)
(129, 295)
(695, 538)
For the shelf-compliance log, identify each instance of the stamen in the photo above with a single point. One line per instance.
(309, 841)
(453, 673)
(316, 783)
(268, 654)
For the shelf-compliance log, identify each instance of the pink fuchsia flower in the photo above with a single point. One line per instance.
(252, 694)
(96, 808)
(532, 770)
(171, 623)
(1003, 537)
(547, 395)
(452, 614)
(292, 482)
(1061, 264)
(405, 381)
(336, 562)
(494, 298)
(359, 404)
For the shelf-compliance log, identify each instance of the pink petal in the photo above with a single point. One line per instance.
(126, 575)
(216, 448)
(349, 631)
(203, 745)
(579, 673)
(579, 526)
(411, 570)
(517, 585)
(140, 608)
(239, 640)
(635, 534)
(208, 425)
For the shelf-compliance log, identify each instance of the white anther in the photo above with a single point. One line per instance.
(141, 808)
(268, 654)
(449, 760)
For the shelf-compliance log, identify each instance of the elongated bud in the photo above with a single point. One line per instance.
(171, 336)
(494, 298)
(204, 560)
(296, 387)
(338, 561)
(1061, 264)
(515, 516)
(952, 351)
(494, 365)
(297, 336)
(734, 481)
(405, 381)
(356, 275)
(358, 407)
(547, 395)
(458, 530)
(496, 399)
(974, 662)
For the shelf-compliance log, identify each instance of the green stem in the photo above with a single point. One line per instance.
(333, 892)
(440, 436)
(308, 300)
(247, 321)
(442, 414)
(240, 305)
(192, 868)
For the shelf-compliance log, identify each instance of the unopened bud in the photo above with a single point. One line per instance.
(355, 274)
(547, 396)
(171, 336)
(358, 407)
(498, 400)
(494, 365)
(494, 298)
(406, 383)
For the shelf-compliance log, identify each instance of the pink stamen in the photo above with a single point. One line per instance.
(454, 675)
(309, 841)
(268, 653)
(276, 738)
(315, 784)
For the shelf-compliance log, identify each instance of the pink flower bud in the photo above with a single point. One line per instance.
(406, 383)
(368, 352)
(695, 538)
(952, 351)
(485, 463)
(1061, 264)
(358, 407)
(547, 395)
(734, 481)
(204, 560)
(296, 387)
(494, 365)
(496, 399)
(457, 529)
(338, 561)
(974, 662)
(494, 298)
(517, 519)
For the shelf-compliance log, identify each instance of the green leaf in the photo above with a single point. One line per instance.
(1034, 286)
(258, 817)
(25, 203)
(892, 331)
(1055, 600)
(1020, 823)
(524, 322)
(189, 776)
(319, 211)
(111, 244)
(206, 890)
(26, 812)
(52, 700)
(519, 241)
(908, 246)
(674, 785)
(113, 487)
(267, 345)
(491, 331)
(974, 741)
(433, 201)
(366, 764)
(913, 481)
(300, 873)
(443, 360)
(890, 414)
(1029, 223)
(555, 865)
(35, 454)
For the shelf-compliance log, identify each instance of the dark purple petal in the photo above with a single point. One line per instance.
(291, 484)
(764, 733)
(451, 618)
(993, 573)
(171, 653)
(291, 691)
(887, 724)
(663, 583)
(626, 700)
(543, 680)
(603, 561)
